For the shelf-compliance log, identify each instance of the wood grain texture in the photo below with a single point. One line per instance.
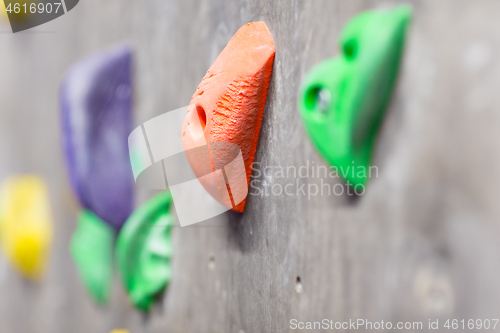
(421, 243)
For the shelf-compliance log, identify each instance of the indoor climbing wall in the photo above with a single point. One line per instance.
(421, 244)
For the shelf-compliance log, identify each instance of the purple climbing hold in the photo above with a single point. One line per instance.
(96, 111)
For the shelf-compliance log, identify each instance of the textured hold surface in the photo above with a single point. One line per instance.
(143, 251)
(92, 247)
(230, 101)
(25, 224)
(343, 99)
(96, 107)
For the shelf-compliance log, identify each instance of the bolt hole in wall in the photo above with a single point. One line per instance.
(211, 262)
(298, 285)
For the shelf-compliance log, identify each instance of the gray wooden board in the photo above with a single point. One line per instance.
(421, 243)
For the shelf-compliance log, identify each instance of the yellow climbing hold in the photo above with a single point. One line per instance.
(25, 224)
(119, 331)
(3, 12)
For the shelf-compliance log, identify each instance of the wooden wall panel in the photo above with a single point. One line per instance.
(421, 243)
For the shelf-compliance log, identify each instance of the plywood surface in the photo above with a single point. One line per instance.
(421, 243)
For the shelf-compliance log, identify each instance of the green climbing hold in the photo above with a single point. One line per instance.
(143, 251)
(92, 251)
(343, 99)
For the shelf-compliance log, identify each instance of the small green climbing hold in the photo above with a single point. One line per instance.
(92, 251)
(143, 251)
(343, 99)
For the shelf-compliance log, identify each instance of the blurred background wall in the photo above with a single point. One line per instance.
(421, 243)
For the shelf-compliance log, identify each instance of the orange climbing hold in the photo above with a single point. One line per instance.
(228, 106)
